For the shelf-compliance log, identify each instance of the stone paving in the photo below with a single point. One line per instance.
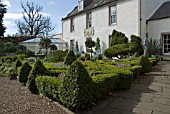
(150, 94)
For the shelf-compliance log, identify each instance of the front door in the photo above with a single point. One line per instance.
(166, 44)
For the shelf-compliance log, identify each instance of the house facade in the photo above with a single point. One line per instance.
(33, 45)
(98, 18)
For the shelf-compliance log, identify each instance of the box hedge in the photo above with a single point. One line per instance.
(144, 62)
(38, 69)
(48, 86)
(24, 72)
(76, 90)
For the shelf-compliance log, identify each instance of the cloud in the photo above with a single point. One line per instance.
(51, 2)
(11, 27)
(7, 3)
(14, 16)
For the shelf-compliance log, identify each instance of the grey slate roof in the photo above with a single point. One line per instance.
(89, 5)
(162, 12)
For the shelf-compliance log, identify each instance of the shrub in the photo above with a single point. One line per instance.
(8, 58)
(18, 63)
(87, 56)
(57, 56)
(8, 61)
(144, 62)
(14, 58)
(21, 56)
(119, 49)
(136, 70)
(99, 57)
(3, 59)
(136, 45)
(136, 55)
(76, 90)
(48, 86)
(105, 83)
(82, 58)
(24, 72)
(38, 69)
(70, 58)
(118, 38)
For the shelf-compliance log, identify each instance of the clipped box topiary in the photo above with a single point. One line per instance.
(38, 69)
(24, 72)
(76, 90)
(144, 62)
(70, 58)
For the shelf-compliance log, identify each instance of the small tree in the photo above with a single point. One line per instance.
(97, 44)
(3, 10)
(90, 44)
(53, 48)
(70, 58)
(45, 43)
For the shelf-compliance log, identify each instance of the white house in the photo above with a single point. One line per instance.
(98, 18)
(33, 45)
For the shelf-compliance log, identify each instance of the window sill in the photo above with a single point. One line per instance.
(113, 24)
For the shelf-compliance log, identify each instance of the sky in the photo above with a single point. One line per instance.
(55, 9)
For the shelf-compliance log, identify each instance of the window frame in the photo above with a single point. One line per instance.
(80, 5)
(72, 24)
(89, 20)
(112, 14)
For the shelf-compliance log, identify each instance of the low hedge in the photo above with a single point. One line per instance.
(48, 86)
(106, 83)
(144, 62)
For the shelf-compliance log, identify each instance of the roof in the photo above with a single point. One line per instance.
(88, 5)
(53, 40)
(162, 12)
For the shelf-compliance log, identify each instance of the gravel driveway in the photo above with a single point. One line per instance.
(16, 99)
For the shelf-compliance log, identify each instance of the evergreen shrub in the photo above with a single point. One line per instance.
(70, 58)
(38, 69)
(76, 90)
(144, 62)
(48, 86)
(24, 72)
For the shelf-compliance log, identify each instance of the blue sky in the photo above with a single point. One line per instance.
(56, 9)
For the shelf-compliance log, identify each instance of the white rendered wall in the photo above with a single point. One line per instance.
(148, 8)
(127, 22)
(158, 27)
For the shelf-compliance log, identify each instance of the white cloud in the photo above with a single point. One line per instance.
(51, 2)
(11, 27)
(7, 3)
(13, 16)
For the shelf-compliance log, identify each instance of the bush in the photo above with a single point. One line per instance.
(118, 38)
(14, 58)
(76, 90)
(57, 56)
(105, 83)
(99, 57)
(8, 61)
(38, 69)
(87, 56)
(24, 72)
(82, 58)
(144, 62)
(2, 59)
(70, 58)
(136, 45)
(21, 56)
(8, 58)
(119, 49)
(136, 55)
(48, 86)
(18, 63)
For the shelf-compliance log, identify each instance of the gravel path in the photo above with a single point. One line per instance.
(16, 99)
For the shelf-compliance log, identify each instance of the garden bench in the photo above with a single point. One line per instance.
(162, 56)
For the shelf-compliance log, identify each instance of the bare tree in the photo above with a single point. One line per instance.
(34, 22)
